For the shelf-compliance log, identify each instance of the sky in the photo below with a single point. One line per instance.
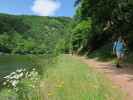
(38, 7)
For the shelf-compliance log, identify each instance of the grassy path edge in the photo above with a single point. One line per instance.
(72, 79)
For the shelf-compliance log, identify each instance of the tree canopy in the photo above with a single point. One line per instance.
(109, 18)
(32, 34)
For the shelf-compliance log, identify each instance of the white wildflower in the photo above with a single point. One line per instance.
(13, 79)
(13, 73)
(14, 83)
(4, 83)
(6, 77)
(21, 75)
(19, 70)
(33, 69)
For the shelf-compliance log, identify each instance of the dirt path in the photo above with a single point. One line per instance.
(122, 77)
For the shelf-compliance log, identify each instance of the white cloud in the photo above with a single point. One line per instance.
(45, 7)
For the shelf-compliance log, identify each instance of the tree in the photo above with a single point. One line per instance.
(32, 34)
(109, 18)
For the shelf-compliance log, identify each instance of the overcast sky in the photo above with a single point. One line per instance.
(38, 7)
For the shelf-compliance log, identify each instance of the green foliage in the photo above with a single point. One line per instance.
(81, 33)
(8, 94)
(32, 34)
(102, 54)
(109, 18)
(71, 79)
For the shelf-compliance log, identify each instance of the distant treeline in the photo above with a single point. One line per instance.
(32, 34)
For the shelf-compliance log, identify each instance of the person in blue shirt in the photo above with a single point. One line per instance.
(119, 50)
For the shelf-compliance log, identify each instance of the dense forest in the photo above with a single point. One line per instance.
(99, 22)
(32, 34)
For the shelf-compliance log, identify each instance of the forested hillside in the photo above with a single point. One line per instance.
(32, 34)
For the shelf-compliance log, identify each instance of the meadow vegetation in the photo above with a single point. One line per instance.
(32, 64)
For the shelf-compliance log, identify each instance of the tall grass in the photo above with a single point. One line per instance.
(67, 79)
(71, 79)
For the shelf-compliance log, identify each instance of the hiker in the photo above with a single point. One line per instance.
(119, 50)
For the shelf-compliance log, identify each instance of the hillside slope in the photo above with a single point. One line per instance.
(31, 34)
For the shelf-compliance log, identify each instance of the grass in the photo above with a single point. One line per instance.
(70, 79)
(103, 54)
(10, 63)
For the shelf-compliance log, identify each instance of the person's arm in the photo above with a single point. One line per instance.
(125, 47)
(124, 43)
(114, 47)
